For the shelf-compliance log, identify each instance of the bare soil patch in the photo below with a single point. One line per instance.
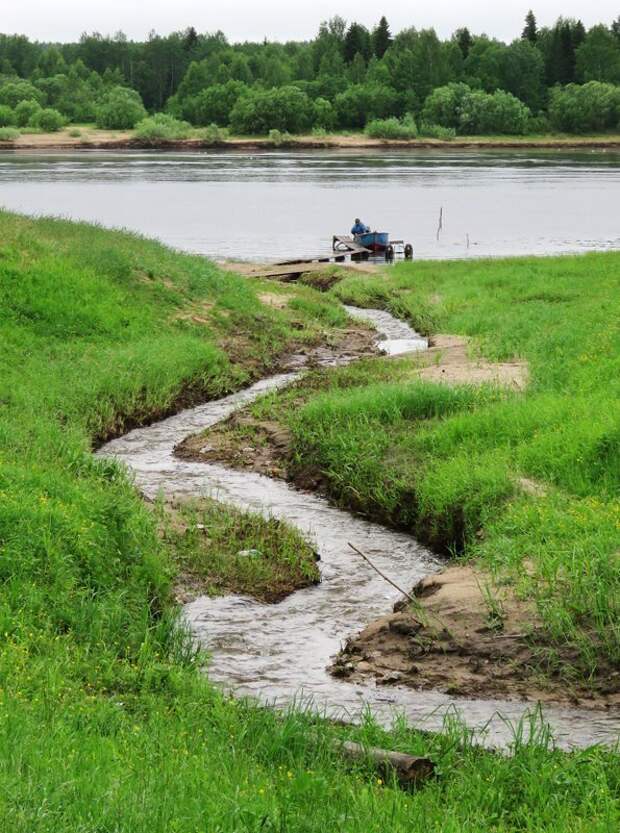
(449, 361)
(469, 637)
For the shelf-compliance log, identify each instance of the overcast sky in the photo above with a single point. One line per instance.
(65, 20)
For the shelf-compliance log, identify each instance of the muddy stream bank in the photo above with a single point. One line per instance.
(279, 653)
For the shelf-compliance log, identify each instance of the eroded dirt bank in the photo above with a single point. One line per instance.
(469, 637)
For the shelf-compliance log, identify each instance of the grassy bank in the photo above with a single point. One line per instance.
(526, 484)
(105, 722)
(88, 136)
(450, 463)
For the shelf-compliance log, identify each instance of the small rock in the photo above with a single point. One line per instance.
(206, 448)
(250, 553)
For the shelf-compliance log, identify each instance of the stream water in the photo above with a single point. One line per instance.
(279, 653)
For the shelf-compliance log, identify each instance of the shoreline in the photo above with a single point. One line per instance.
(51, 142)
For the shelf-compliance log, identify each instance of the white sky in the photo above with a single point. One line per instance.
(65, 20)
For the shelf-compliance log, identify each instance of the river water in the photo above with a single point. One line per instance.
(278, 204)
(279, 653)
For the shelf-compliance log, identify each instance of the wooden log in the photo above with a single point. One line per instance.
(409, 769)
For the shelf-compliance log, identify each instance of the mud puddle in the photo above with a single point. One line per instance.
(280, 653)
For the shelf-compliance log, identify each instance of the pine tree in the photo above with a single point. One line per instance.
(530, 31)
(464, 40)
(381, 38)
(191, 39)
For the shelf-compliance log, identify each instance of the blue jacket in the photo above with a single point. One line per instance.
(359, 228)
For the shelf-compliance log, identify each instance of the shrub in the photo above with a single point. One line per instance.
(213, 136)
(25, 111)
(473, 111)
(12, 92)
(75, 132)
(211, 105)
(443, 106)
(7, 116)
(590, 107)
(361, 103)
(392, 128)
(436, 131)
(120, 109)
(497, 112)
(162, 128)
(277, 138)
(47, 120)
(324, 114)
(9, 134)
(284, 108)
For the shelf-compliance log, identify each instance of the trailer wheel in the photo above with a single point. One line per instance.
(389, 252)
(408, 251)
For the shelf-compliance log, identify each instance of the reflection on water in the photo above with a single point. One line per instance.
(277, 204)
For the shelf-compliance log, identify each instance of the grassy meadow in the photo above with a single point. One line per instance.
(107, 722)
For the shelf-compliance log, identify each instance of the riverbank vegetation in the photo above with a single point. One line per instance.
(562, 78)
(525, 483)
(106, 719)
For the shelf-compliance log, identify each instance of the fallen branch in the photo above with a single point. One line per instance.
(383, 576)
(409, 769)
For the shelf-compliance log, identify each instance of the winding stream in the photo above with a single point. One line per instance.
(279, 653)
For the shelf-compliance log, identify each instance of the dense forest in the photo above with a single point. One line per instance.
(561, 78)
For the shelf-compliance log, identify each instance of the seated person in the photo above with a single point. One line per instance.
(359, 227)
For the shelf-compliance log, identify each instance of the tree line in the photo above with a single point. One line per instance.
(564, 77)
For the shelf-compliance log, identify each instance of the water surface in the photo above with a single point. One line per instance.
(272, 205)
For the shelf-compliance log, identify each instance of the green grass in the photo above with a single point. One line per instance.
(220, 549)
(106, 721)
(446, 462)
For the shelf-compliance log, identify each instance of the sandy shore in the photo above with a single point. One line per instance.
(92, 139)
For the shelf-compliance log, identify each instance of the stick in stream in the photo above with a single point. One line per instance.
(383, 576)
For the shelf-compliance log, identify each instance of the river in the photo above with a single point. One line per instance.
(269, 205)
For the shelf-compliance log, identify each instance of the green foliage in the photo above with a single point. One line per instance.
(436, 131)
(211, 105)
(7, 116)
(475, 112)
(584, 108)
(47, 120)
(287, 109)
(162, 127)
(360, 103)
(25, 111)
(121, 108)
(598, 57)
(9, 134)
(351, 76)
(213, 136)
(14, 91)
(392, 128)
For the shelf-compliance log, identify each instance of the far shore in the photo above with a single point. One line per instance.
(89, 138)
